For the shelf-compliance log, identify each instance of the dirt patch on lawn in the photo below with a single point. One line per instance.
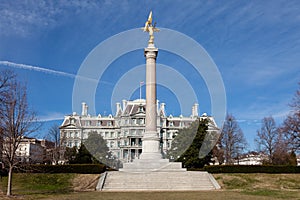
(85, 182)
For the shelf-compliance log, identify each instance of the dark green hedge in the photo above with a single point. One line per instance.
(271, 169)
(71, 168)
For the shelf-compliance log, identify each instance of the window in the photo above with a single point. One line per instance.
(72, 121)
(141, 109)
(99, 123)
(106, 134)
(141, 121)
(76, 143)
(71, 134)
(76, 134)
(168, 135)
(88, 123)
(132, 132)
(134, 121)
(112, 134)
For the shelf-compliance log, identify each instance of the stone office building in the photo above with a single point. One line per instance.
(123, 132)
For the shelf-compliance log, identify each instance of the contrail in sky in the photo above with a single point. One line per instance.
(41, 69)
(35, 68)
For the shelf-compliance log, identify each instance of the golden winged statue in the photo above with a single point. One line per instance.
(149, 27)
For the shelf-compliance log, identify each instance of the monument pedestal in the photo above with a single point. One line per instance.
(152, 165)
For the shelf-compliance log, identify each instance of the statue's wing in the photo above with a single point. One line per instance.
(150, 18)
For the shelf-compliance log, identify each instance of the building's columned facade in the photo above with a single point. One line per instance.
(124, 131)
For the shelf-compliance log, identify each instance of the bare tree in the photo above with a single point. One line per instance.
(232, 140)
(5, 80)
(268, 138)
(282, 154)
(291, 125)
(54, 136)
(16, 122)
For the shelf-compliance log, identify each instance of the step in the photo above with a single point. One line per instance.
(164, 181)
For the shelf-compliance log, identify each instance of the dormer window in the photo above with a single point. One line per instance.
(141, 108)
(72, 121)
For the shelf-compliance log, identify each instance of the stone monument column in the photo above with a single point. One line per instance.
(151, 157)
(150, 148)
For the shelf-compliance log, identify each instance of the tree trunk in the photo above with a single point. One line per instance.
(9, 181)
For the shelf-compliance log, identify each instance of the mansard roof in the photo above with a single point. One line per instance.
(71, 121)
(135, 107)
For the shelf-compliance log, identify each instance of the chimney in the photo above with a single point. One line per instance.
(118, 105)
(124, 102)
(84, 109)
(162, 108)
(195, 110)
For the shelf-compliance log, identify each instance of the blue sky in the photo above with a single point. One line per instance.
(255, 45)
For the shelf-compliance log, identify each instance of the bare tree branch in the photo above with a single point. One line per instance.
(17, 121)
(267, 138)
(291, 125)
(232, 140)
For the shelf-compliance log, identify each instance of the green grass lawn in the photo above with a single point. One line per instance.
(282, 186)
(39, 184)
(234, 186)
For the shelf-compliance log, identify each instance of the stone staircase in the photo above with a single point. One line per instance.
(157, 181)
